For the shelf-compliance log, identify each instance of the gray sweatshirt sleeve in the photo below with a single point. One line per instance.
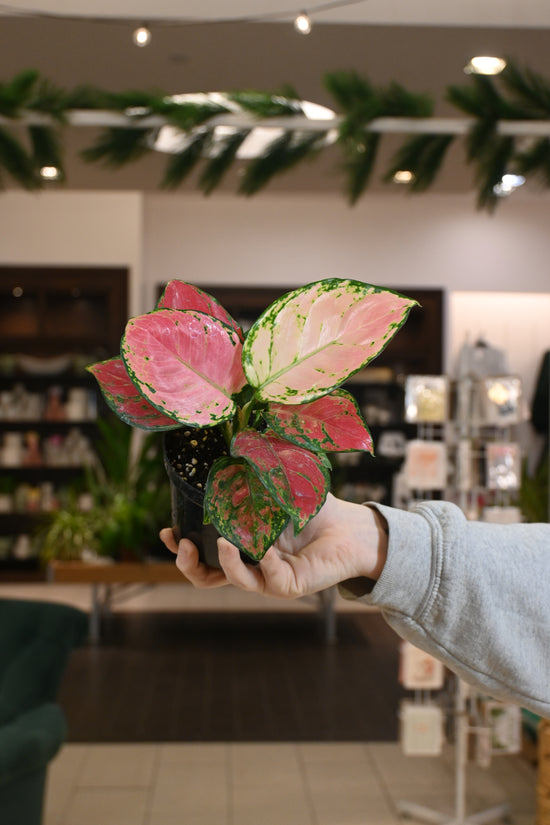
(475, 595)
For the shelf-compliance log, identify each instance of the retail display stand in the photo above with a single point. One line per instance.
(486, 468)
(459, 817)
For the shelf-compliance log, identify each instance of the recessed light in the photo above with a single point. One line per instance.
(403, 176)
(483, 64)
(141, 36)
(508, 184)
(50, 173)
(302, 23)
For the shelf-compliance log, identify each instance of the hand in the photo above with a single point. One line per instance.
(343, 541)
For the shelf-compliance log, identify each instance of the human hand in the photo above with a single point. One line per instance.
(343, 541)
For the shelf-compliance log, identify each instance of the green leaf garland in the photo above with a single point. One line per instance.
(41, 111)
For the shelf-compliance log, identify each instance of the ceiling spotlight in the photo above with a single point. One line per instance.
(403, 176)
(50, 173)
(508, 184)
(141, 36)
(302, 23)
(485, 65)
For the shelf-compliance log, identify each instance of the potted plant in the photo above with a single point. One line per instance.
(249, 420)
(128, 501)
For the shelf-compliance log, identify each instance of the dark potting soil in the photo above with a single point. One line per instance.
(191, 452)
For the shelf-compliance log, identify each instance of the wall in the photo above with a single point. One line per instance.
(74, 228)
(390, 239)
(429, 241)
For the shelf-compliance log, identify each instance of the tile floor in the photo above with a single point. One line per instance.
(271, 784)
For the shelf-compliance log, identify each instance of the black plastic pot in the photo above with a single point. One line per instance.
(188, 513)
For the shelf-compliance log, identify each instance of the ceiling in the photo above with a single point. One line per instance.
(197, 46)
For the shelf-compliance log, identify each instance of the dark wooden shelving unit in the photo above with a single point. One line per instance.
(47, 313)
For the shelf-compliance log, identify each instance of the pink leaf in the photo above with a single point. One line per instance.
(311, 340)
(180, 295)
(124, 399)
(332, 422)
(241, 508)
(297, 478)
(186, 363)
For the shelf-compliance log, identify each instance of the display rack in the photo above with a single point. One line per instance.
(483, 414)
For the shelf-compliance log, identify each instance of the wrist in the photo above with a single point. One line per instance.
(368, 539)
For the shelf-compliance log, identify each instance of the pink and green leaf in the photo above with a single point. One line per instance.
(181, 295)
(125, 400)
(186, 363)
(310, 341)
(241, 508)
(298, 479)
(330, 423)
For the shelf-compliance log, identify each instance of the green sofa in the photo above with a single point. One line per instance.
(36, 639)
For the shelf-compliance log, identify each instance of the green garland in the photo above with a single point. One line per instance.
(43, 112)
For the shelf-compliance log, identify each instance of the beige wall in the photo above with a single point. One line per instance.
(430, 241)
(72, 228)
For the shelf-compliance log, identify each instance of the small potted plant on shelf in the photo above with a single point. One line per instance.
(249, 419)
(128, 500)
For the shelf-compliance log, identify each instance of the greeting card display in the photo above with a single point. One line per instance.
(427, 399)
(504, 722)
(501, 400)
(426, 465)
(421, 729)
(503, 465)
(418, 670)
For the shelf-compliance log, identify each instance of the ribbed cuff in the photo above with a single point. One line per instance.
(409, 575)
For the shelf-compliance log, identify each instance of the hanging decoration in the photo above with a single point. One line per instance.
(505, 126)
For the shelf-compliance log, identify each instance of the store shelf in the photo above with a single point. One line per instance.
(53, 322)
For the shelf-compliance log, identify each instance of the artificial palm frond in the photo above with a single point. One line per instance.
(46, 148)
(359, 163)
(181, 164)
(17, 161)
(528, 87)
(422, 155)
(281, 155)
(15, 94)
(490, 170)
(263, 105)
(217, 166)
(116, 146)
(535, 161)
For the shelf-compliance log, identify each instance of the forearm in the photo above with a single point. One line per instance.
(475, 595)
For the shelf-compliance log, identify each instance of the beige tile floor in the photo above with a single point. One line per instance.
(168, 597)
(271, 784)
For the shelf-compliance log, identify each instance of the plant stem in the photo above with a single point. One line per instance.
(244, 414)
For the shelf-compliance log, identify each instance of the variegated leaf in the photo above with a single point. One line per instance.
(330, 423)
(181, 295)
(241, 508)
(298, 479)
(125, 400)
(313, 339)
(186, 363)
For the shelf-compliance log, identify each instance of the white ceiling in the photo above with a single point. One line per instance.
(389, 12)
